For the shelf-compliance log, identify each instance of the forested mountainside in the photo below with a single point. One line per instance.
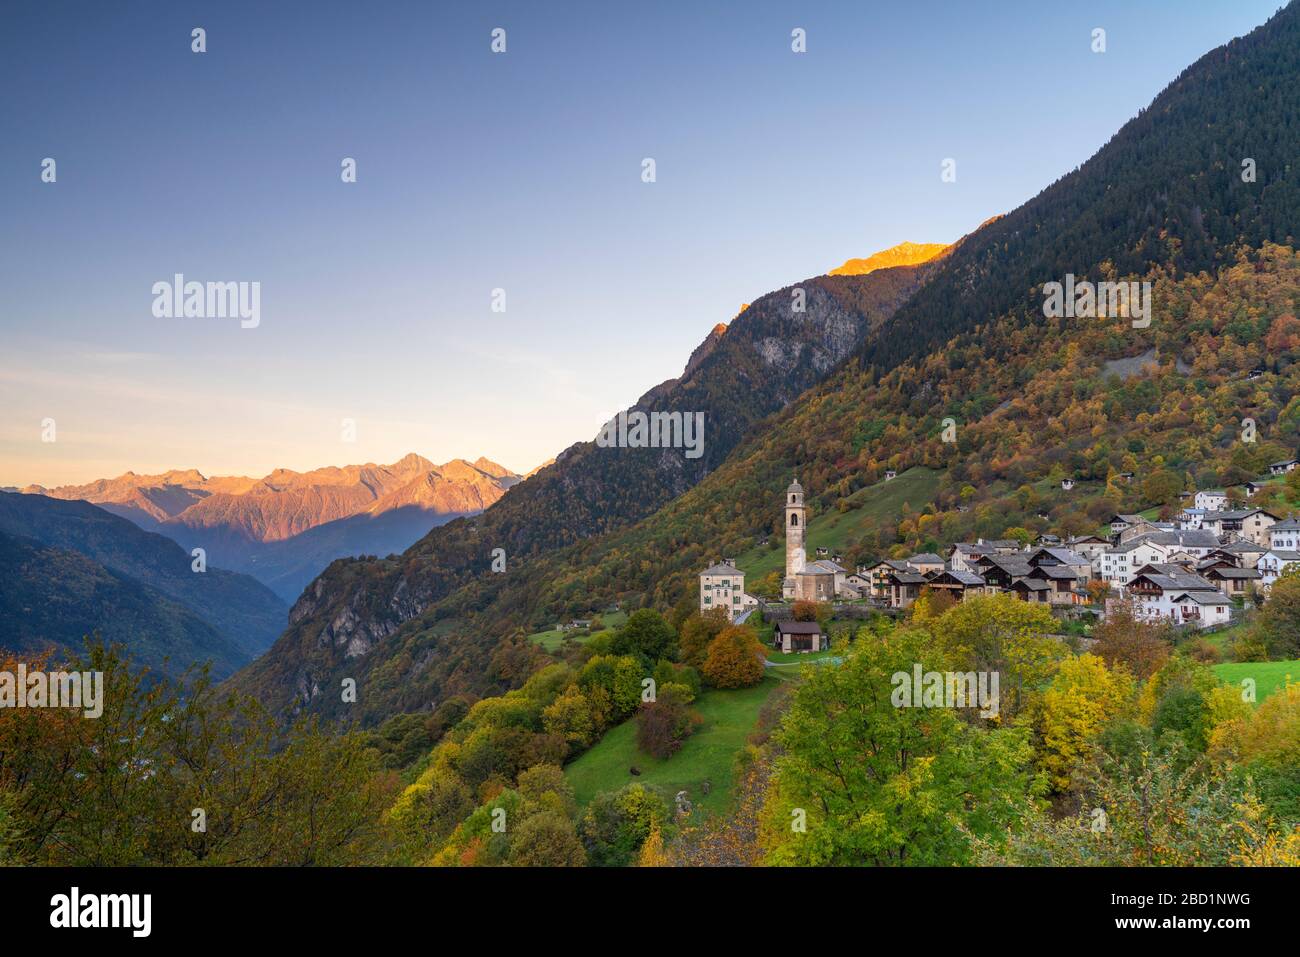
(245, 614)
(1164, 201)
(1166, 192)
(766, 358)
(54, 598)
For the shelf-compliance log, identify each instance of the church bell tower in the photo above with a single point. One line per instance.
(796, 520)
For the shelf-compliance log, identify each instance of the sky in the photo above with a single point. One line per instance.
(478, 171)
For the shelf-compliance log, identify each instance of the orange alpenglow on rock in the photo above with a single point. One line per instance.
(904, 254)
(286, 503)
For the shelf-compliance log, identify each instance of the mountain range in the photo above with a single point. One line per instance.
(286, 527)
(862, 381)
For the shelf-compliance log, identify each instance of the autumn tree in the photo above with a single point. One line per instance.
(1264, 744)
(735, 659)
(931, 603)
(546, 839)
(612, 686)
(1124, 640)
(1278, 626)
(428, 811)
(652, 851)
(860, 781)
(529, 825)
(1003, 634)
(616, 824)
(664, 724)
(570, 716)
(1162, 487)
(1155, 810)
(669, 673)
(806, 611)
(647, 637)
(1098, 590)
(698, 630)
(76, 794)
(1079, 702)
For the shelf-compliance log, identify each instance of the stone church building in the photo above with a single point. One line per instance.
(723, 585)
(804, 580)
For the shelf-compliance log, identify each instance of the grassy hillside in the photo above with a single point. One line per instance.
(1269, 675)
(707, 755)
(552, 638)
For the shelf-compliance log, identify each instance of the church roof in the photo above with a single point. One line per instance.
(795, 486)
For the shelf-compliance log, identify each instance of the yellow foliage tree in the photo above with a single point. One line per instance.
(1083, 697)
(1003, 634)
(652, 851)
(1269, 733)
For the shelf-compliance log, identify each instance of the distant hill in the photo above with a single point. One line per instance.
(288, 566)
(254, 525)
(246, 615)
(53, 598)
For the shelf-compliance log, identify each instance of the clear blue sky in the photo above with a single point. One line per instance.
(478, 171)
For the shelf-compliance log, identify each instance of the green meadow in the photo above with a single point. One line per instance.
(707, 755)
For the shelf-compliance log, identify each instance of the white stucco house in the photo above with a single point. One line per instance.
(1201, 609)
(1212, 499)
(1171, 593)
(1285, 535)
(1273, 563)
(1253, 524)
